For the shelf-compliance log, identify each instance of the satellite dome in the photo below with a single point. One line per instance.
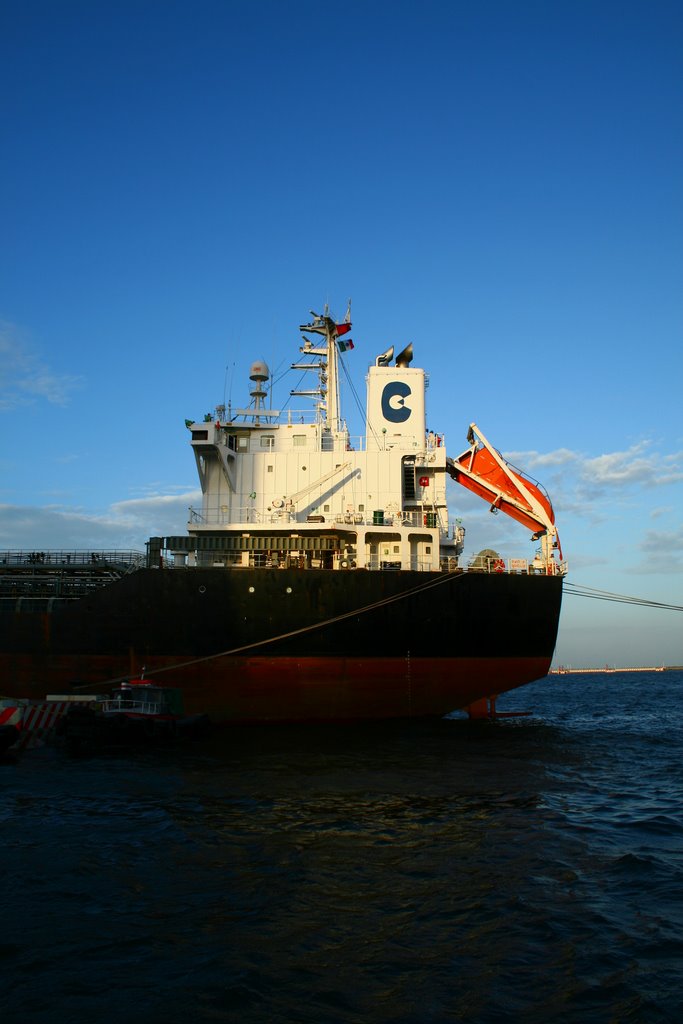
(259, 370)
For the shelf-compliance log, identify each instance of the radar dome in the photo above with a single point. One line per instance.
(259, 370)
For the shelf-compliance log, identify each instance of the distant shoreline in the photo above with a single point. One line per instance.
(562, 671)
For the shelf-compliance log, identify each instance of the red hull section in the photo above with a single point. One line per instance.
(299, 689)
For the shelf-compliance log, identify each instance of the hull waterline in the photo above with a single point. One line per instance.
(409, 651)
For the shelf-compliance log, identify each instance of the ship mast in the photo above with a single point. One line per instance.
(328, 390)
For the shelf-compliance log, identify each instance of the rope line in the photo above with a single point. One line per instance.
(577, 590)
(421, 588)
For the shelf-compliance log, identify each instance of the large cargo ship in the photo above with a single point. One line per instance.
(321, 579)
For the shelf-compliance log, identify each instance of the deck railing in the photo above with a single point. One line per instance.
(251, 516)
(138, 706)
(57, 558)
(295, 560)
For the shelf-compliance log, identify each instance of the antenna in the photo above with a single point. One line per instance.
(229, 367)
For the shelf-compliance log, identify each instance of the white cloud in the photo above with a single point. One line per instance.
(601, 488)
(26, 379)
(620, 469)
(125, 525)
(662, 551)
(532, 460)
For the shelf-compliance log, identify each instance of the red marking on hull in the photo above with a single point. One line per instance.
(297, 689)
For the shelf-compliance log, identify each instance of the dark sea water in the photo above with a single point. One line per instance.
(525, 870)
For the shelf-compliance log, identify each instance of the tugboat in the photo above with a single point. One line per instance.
(322, 577)
(136, 712)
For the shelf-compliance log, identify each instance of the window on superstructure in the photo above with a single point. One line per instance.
(269, 469)
(243, 443)
(299, 440)
(267, 440)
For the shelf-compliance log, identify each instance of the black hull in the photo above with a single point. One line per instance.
(286, 644)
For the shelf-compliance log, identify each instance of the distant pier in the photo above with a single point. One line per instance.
(563, 671)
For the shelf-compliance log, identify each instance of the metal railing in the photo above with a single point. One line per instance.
(535, 567)
(374, 563)
(65, 558)
(138, 706)
(224, 516)
(35, 578)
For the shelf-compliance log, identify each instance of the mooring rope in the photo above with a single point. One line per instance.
(578, 590)
(450, 577)
(575, 590)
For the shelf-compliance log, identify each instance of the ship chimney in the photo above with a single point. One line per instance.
(405, 357)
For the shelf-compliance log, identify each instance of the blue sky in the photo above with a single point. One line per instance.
(499, 183)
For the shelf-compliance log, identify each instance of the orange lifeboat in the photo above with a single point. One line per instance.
(482, 470)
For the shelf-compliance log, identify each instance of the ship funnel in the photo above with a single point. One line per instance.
(405, 357)
(385, 358)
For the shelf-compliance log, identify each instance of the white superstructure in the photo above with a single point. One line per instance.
(297, 487)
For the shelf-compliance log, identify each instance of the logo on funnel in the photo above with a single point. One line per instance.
(394, 407)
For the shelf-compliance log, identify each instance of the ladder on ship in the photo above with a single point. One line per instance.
(409, 492)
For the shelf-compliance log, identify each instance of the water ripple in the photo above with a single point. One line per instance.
(529, 871)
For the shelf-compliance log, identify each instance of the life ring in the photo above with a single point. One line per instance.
(277, 502)
(499, 565)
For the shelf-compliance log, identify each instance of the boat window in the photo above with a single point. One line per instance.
(267, 440)
(243, 442)
(299, 440)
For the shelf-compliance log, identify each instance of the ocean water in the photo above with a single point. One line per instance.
(525, 870)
